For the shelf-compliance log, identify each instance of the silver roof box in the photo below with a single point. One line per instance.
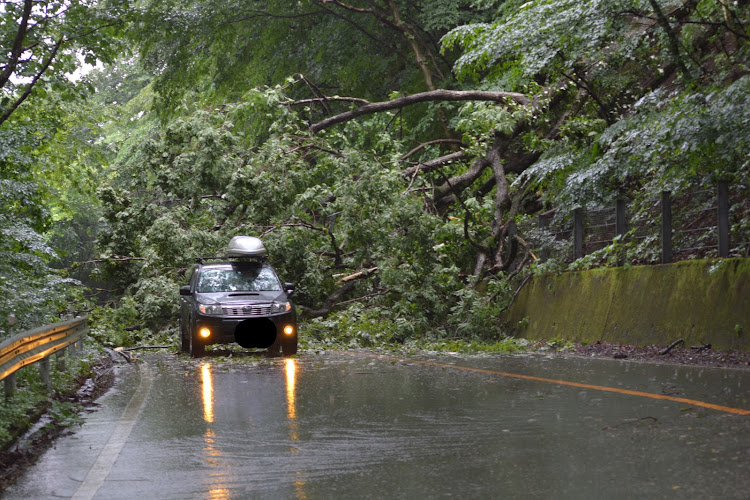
(246, 246)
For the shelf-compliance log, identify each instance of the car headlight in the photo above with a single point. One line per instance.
(280, 307)
(210, 309)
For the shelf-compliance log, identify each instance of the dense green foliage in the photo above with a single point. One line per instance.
(48, 162)
(396, 224)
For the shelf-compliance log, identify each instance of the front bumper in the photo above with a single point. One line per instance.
(222, 328)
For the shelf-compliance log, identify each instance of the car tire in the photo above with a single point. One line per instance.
(184, 338)
(289, 348)
(197, 348)
(274, 350)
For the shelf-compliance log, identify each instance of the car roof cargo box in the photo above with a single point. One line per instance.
(246, 246)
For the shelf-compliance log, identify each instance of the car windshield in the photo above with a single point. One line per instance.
(238, 278)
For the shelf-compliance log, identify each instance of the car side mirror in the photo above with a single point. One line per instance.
(185, 290)
(289, 288)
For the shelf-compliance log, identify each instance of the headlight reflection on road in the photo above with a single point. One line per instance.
(219, 494)
(291, 374)
(216, 478)
(290, 367)
(210, 448)
(208, 393)
(213, 457)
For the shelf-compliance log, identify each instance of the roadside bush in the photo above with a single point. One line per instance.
(351, 328)
(157, 302)
(109, 326)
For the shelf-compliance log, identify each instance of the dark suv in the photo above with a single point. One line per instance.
(238, 298)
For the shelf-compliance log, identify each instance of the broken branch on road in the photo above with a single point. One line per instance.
(672, 346)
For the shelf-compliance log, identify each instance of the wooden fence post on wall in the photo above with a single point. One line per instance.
(723, 194)
(620, 228)
(578, 233)
(666, 227)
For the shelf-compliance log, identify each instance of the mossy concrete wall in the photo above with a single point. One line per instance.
(699, 301)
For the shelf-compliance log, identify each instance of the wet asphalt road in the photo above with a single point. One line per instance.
(347, 425)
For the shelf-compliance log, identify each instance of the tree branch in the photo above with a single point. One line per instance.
(431, 96)
(330, 301)
(113, 259)
(324, 99)
(316, 91)
(431, 165)
(359, 28)
(17, 50)
(673, 41)
(478, 164)
(460, 182)
(336, 248)
(358, 275)
(430, 143)
(254, 14)
(30, 86)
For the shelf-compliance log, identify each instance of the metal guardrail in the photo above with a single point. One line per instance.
(36, 345)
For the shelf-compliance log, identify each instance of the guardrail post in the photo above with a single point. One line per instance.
(10, 385)
(723, 194)
(578, 233)
(44, 370)
(666, 227)
(60, 360)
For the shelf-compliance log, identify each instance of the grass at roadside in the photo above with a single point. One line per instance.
(30, 400)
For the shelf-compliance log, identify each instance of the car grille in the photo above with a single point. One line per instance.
(248, 310)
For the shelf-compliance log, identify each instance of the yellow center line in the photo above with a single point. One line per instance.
(703, 404)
